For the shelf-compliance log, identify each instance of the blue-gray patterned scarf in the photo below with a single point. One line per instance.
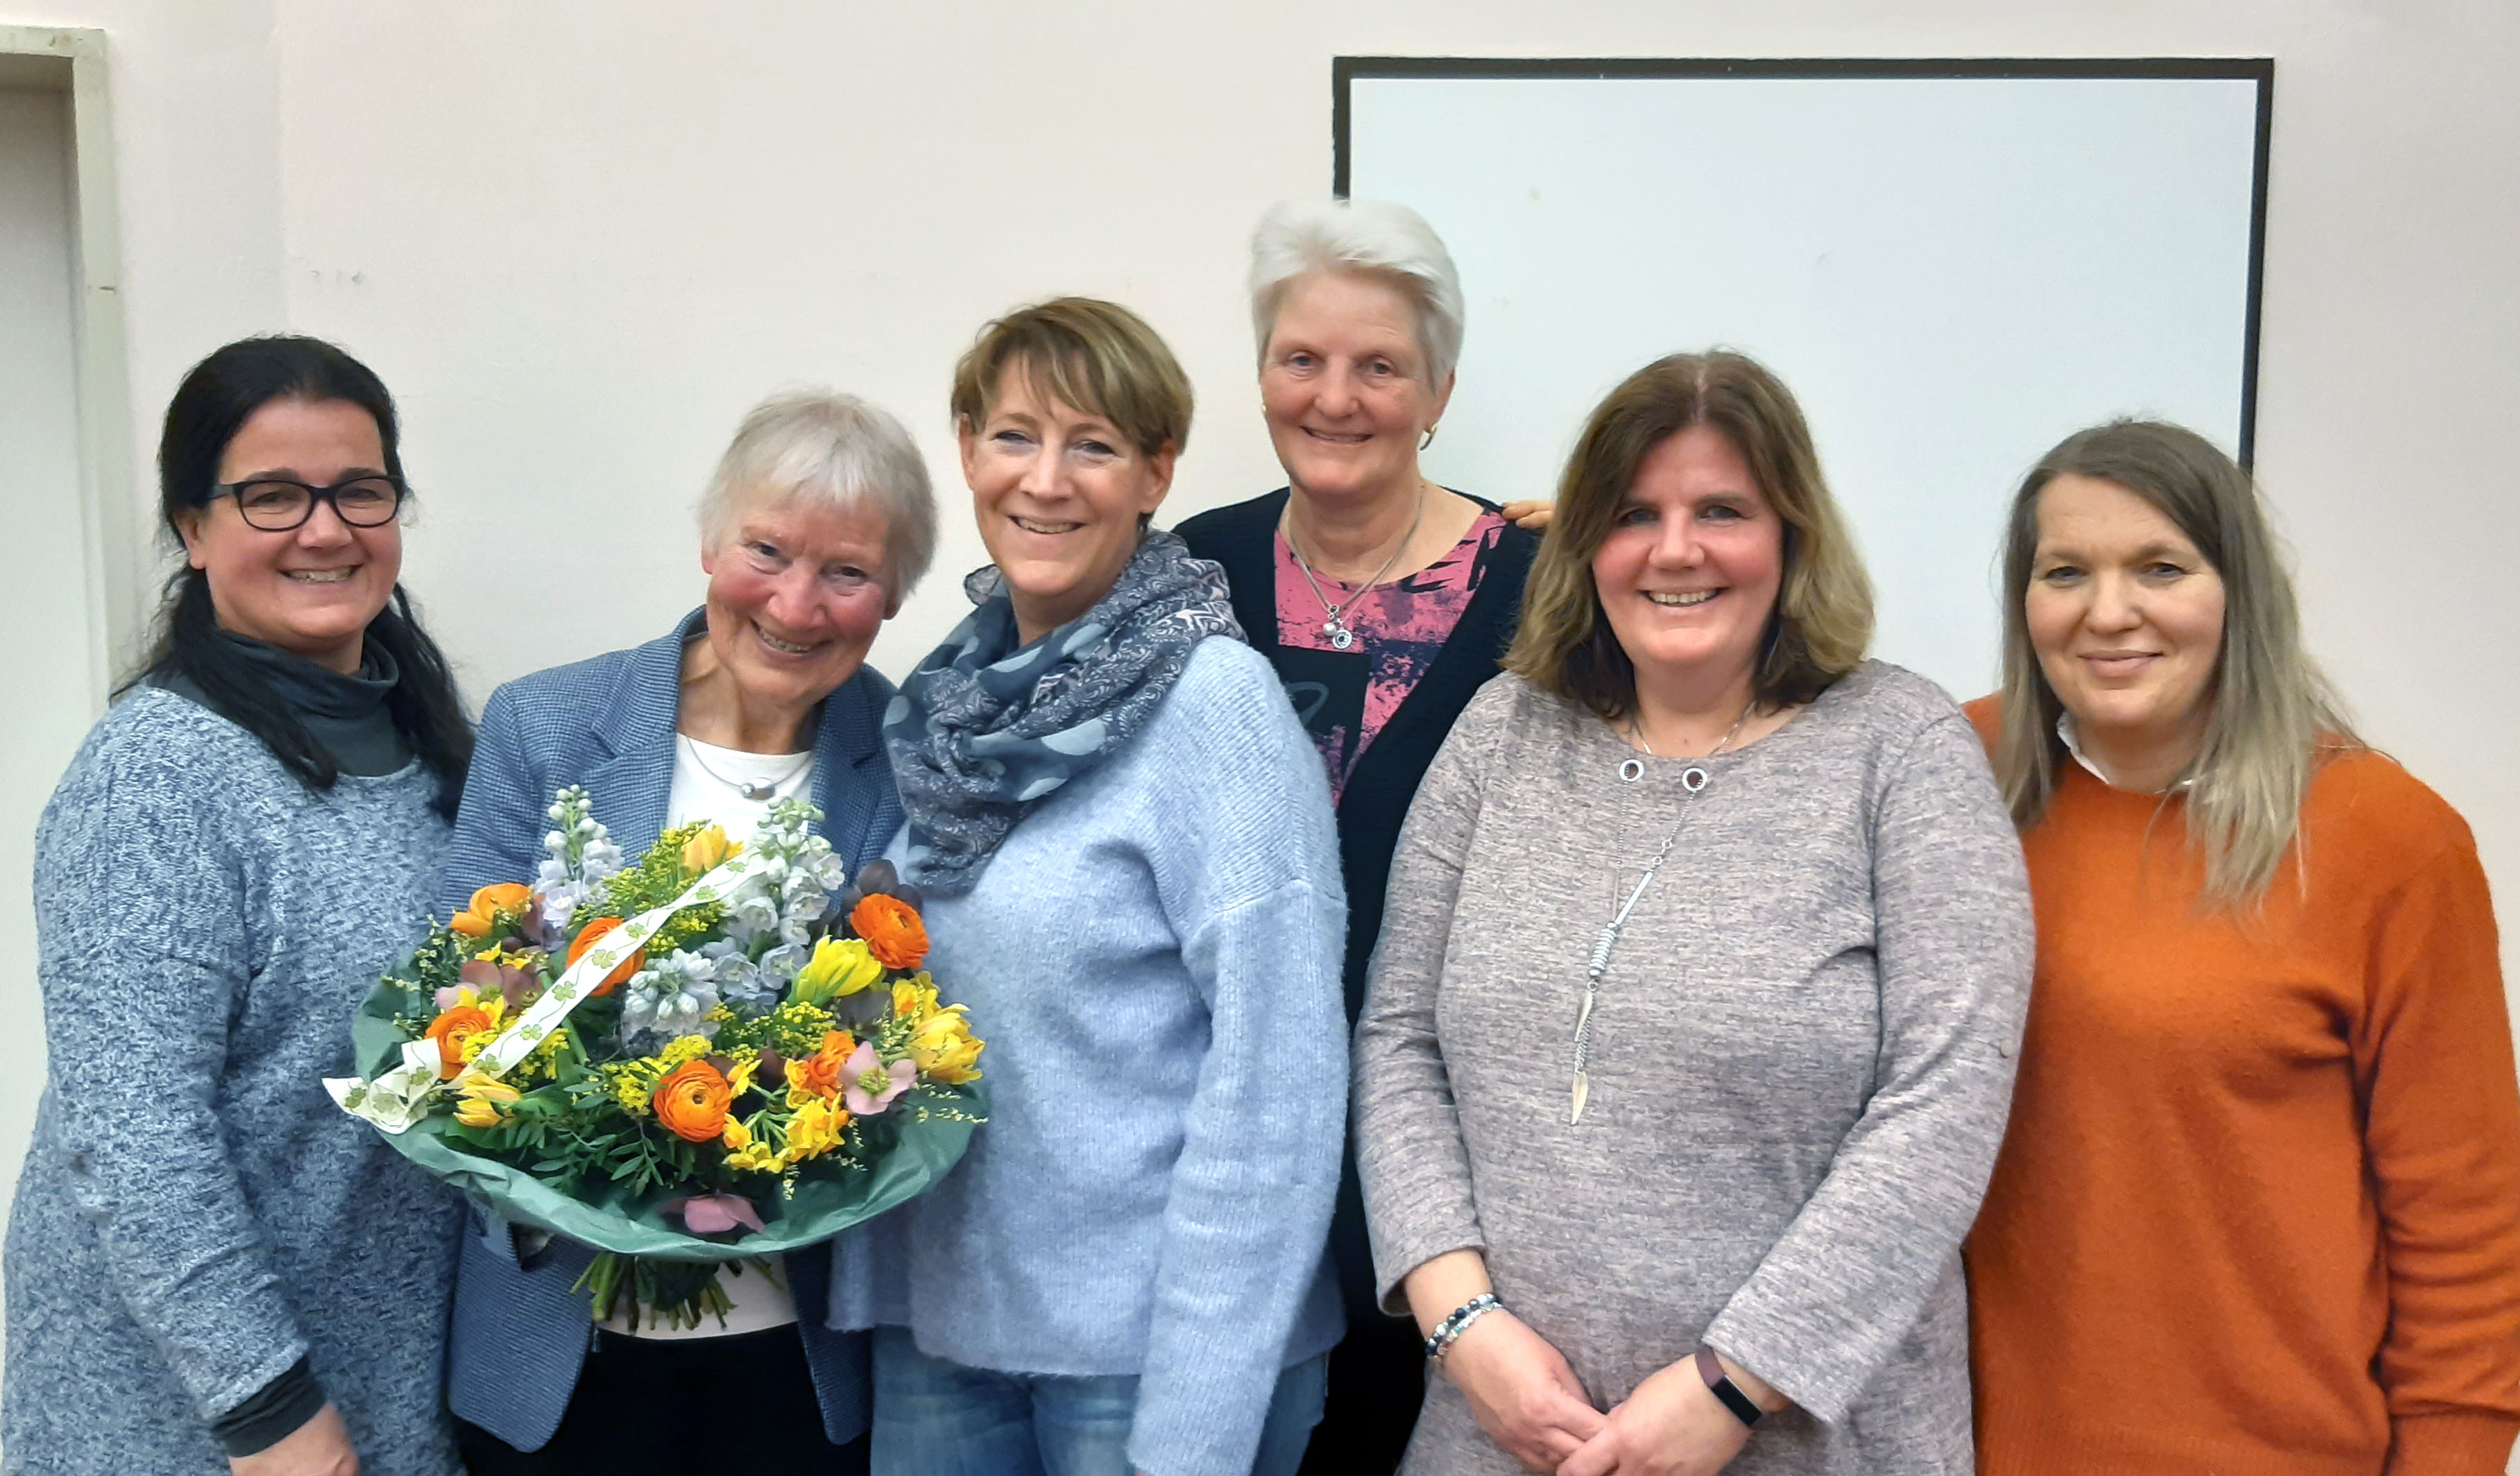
(987, 726)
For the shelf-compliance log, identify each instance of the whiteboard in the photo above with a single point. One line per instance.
(1951, 264)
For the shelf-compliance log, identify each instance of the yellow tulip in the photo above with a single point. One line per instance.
(478, 1087)
(914, 998)
(945, 1049)
(706, 851)
(839, 967)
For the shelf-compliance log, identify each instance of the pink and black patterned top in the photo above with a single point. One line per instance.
(1345, 696)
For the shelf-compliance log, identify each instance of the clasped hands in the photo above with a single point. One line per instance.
(1527, 1399)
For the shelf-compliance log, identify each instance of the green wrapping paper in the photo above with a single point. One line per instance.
(909, 1156)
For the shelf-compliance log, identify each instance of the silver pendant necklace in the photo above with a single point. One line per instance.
(1693, 780)
(1336, 627)
(752, 789)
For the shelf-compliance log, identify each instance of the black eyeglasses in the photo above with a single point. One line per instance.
(276, 505)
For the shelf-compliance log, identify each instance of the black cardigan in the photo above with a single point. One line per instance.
(1242, 537)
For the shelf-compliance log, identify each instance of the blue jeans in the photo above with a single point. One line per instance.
(935, 1417)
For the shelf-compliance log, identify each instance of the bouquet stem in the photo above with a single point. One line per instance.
(672, 1294)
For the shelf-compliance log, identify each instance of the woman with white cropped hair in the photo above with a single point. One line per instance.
(818, 521)
(1383, 601)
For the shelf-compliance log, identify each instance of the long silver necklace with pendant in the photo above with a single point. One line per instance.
(1693, 780)
(1336, 627)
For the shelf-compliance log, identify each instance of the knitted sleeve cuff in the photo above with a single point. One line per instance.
(271, 1413)
(2462, 1444)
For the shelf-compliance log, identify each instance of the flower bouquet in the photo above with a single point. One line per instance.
(715, 1054)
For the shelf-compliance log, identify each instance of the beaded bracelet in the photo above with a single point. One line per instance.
(1449, 1330)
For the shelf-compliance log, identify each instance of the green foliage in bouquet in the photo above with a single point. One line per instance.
(768, 1066)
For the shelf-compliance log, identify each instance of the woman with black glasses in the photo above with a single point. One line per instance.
(210, 1267)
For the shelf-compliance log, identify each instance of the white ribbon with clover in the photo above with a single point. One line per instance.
(399, 1098)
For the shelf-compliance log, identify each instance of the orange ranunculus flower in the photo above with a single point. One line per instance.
(892, 929)
(451, 1030)
(593, 934)
(482, 911)
(692, 1102)
(820, 1073)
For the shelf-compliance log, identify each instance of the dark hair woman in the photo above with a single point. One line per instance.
(211, 1269)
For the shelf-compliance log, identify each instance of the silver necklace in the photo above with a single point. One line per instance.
(1336, 627)
(1693, 780)
(753, 791)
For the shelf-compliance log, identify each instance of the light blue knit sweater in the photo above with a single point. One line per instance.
(195, 1213)
(1153, 958)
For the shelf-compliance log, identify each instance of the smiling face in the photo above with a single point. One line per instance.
(1058, 492)
(795, 596)
(1690, 572)
(310, 590)
(1344, 386)
(2126, 617)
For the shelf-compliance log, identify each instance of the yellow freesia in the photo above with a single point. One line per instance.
(477, 1112)
(841, 966)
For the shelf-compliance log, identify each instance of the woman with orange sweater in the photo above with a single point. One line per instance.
(2258, 1209)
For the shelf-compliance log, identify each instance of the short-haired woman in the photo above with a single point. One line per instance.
(1688, 1039)
(817, 523)
(1132, 878)
(210, 1267)
(2259, 1209)
(1383, 601)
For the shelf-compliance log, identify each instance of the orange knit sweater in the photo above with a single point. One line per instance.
(2257, 1210)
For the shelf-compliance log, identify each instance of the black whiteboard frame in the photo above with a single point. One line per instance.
(1345, 71)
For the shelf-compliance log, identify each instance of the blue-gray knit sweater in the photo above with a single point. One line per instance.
(195, 1213)
(1153, 957)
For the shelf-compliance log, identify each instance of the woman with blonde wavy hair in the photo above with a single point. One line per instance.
(2259, 1207)
(1685, 1047)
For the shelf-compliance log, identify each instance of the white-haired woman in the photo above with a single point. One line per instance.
(818, 521)
(1383, 601)
(2258, 1205)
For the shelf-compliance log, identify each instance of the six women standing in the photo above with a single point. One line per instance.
(1691, 1026)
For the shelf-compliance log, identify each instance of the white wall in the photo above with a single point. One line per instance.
(1952, 273)
(39, 504)
(579, 238)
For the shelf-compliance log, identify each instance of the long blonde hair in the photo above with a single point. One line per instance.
(2273, 713)
(1823, 621)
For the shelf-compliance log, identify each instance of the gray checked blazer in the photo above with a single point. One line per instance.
(521, 1335)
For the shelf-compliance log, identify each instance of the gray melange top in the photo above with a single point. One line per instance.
(195, 1215)
(1801, 1059)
